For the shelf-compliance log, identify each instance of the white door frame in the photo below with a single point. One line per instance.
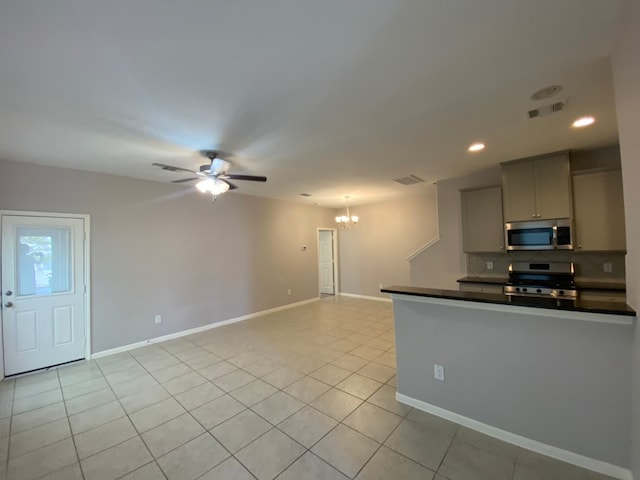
(87, 274)
(336, 281)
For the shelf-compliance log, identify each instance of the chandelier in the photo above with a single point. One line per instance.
(348, 220)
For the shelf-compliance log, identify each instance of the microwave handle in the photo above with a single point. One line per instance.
(555, 237)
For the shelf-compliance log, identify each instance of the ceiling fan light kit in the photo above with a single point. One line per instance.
(213, 186)
(348, 220)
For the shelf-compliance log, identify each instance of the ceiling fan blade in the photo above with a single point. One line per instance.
(251, 178)
(231, 185)
(171, 168)
(186, 180)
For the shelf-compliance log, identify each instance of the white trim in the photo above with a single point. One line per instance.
(539, 447)
(521, 309)
(367, 297)
(427, 245)
(435, 239)
(86, 233)
(183, 333)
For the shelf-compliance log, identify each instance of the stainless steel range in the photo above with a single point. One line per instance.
(539, 279)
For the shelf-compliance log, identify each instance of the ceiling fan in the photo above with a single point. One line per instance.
(213, 177)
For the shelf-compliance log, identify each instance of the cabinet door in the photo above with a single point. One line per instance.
(482, 225)
(553, 187)
(599, 211)
(519, 192)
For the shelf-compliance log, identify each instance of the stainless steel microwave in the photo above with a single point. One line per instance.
(539, 235)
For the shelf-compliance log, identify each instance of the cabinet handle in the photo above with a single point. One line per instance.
(533, 216)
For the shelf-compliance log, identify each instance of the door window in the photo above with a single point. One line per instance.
(44, 262)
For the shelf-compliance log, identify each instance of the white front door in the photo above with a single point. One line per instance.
(325, 241)
(43, 291)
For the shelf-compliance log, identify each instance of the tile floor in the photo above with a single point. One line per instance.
(306, 393)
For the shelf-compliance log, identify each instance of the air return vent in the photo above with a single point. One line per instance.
(410, 180)
(547, 109)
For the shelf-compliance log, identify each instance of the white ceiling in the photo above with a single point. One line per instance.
(328, 97)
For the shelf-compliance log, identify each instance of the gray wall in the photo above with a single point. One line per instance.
(164, 249)
(375, 251)
(626, 76)
(442, 264)
(562, 382)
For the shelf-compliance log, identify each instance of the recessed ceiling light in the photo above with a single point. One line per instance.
(476, 147)
(546, 92)
(584, 122)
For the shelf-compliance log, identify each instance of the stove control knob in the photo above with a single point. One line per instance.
(561, 292)
(517, 289)
(539, 290)
(524, 289)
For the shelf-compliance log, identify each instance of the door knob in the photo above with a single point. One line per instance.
(8, 293)
(8, 304)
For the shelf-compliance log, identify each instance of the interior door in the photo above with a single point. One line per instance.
(327, 282)
(43, 292)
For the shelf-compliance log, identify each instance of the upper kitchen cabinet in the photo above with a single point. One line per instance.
(482, 224)
(537, 189)
(599, 211)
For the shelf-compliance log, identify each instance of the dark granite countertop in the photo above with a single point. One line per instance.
(610, 308)
(581, 284)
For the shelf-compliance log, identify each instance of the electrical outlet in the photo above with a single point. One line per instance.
(289, 292)
(380, 286)
(489, 265)
(607, 267)
(438, 372)
(158, 318)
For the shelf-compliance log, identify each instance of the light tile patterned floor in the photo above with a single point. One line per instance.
(306, 393)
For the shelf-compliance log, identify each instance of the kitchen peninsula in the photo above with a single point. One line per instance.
(551, 377)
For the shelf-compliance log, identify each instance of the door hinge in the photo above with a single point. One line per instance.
(85, 289)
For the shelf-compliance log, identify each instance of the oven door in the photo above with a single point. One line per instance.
(539, 235)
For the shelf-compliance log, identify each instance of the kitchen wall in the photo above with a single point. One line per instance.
(626, 76)
(375, 251)
(588, 265)
(165, 249)
(442, 264)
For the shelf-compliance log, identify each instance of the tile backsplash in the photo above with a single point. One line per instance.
(588, 265)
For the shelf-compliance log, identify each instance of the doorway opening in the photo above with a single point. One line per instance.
(328, 261)
(44, 289)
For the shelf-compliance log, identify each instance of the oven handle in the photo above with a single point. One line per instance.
(555, 237)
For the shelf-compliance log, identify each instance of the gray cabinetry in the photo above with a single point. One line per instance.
(599, 211)
(482, 224)
(538, 188)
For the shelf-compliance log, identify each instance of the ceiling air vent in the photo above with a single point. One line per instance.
(410, 180)
(547, 109)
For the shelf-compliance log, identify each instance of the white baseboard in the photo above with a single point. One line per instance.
(539, 447)
(184, 333)
(367, 297)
